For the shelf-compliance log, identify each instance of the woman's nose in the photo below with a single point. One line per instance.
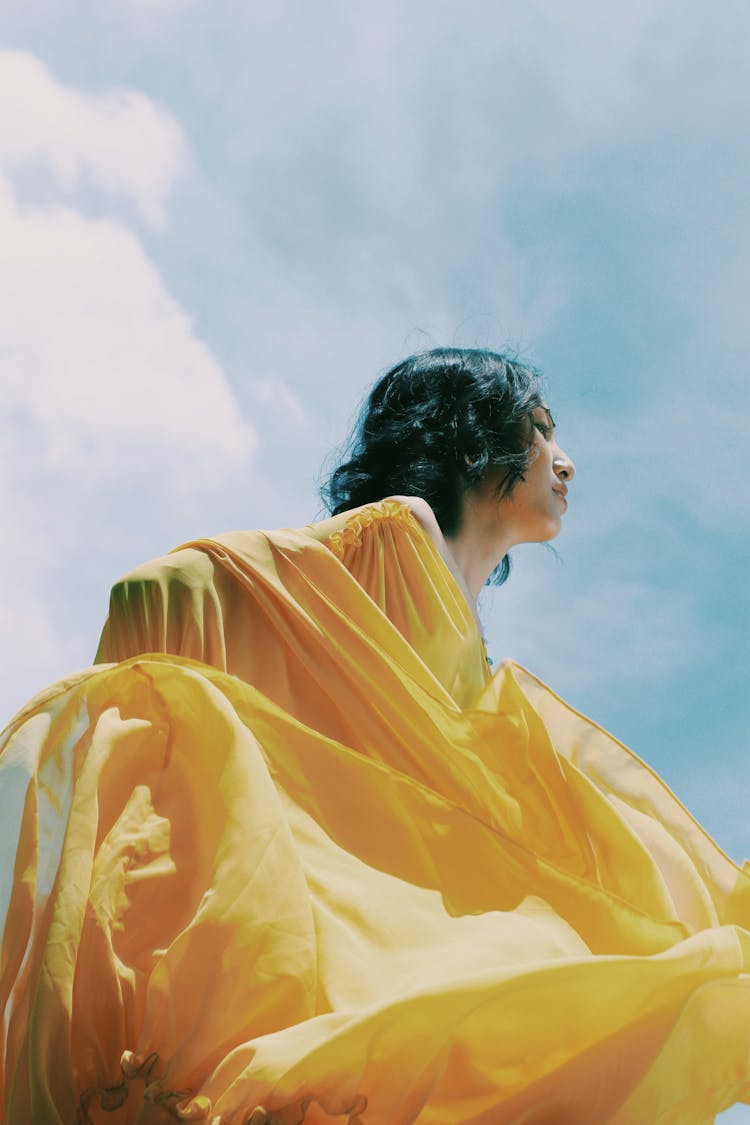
(562, 466)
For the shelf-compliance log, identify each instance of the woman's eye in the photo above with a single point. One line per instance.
(543, 428)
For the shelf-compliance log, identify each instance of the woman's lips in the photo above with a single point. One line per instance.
(561, 493)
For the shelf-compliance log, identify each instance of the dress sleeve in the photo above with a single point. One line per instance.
(170, 605)
(233, 602)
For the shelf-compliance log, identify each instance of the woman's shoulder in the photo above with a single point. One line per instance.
(348, 528)
(422, 512)
(394, 509)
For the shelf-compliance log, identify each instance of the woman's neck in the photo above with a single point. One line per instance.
(473, 560)
(478, 545)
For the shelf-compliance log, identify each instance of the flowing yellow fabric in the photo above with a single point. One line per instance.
(290, 854)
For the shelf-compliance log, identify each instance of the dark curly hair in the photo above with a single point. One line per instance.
(433, 426)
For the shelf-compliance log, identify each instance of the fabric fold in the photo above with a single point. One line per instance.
(276, 861)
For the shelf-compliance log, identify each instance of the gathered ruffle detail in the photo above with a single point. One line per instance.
(350, 535)
(184, 1105)
(133, 1068)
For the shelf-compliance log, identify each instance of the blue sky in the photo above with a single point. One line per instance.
(220, 221)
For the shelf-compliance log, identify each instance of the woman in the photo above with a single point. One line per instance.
(294, 854)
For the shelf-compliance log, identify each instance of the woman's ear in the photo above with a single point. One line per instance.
(476, 463)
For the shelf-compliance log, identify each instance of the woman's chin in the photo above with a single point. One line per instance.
(553, 529)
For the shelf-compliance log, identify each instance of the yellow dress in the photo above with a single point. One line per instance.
(290, 853)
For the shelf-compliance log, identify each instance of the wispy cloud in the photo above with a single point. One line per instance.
(120, 142)
(584, 638)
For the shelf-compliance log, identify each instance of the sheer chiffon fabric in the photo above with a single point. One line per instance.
(290, 853)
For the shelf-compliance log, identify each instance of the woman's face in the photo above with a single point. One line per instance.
(533, 512)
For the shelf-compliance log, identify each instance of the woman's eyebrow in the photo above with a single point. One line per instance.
(550, 419)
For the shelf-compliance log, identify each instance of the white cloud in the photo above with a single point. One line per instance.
(98, 357)
(100, 363)
(120, 141)
(115, 417)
